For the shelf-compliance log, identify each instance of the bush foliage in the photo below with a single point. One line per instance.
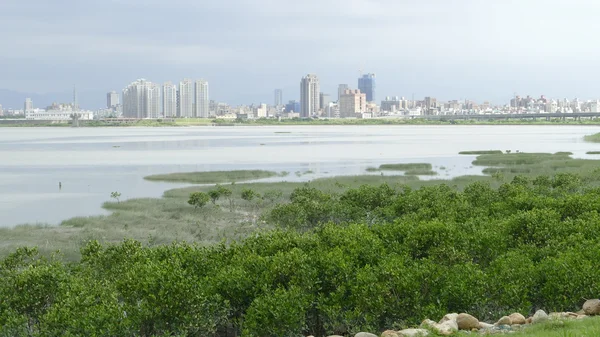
(367, 259)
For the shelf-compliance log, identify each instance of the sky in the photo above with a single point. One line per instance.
(449, 49)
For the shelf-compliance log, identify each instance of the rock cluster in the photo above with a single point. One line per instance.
(454, 322)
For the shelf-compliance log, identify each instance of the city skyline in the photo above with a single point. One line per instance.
(466, 50)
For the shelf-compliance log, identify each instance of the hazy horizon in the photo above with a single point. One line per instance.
(464, 49)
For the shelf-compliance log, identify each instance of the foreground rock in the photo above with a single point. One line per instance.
(446, 328)
(517, 318)
(365, 334)
(467, 322)
(390, 333)
(413, 333)
(505, 320)
(591, 307)
(539, 317)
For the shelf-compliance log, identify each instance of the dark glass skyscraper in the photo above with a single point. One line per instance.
(366, 85)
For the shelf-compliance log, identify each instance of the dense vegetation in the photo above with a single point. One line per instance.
(369, 258)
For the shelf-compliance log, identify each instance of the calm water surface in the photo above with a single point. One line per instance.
(92, 162)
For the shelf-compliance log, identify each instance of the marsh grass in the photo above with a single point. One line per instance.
(405, 167)
(155, 221)
(212, 177)
(595, 138)
(420, 172)
(593, 152)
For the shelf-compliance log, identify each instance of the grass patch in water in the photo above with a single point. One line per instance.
(420, 172)
(405, 167)
(480, 152)
(595, 138)
(212, 177)
(593, 152)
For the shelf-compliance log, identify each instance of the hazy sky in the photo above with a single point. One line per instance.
(450, 49)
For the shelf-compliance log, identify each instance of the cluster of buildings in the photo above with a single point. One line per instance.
(54, 112)
(189, 98)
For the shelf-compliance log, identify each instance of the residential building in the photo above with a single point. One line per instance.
(201, 99)
(28, 106)
(352, 102)
(169, 100)
(341, 89)
(261, 111)
(324, 100)
(141, 99)
(309, 96)
(112, 99)
(391, 104)
(366, 85)
(186, 98)
(278, 97)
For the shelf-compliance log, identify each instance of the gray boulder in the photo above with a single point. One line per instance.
(539, 317)
(413, 333)
(365, 334)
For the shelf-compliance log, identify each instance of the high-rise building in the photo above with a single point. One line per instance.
(352, 102)
(366, 85)
(28, 106)
(141, 99)
(323, 100)
(186, 98)
(1, 111)
(154, 101)
(112, 99)
(201, 99)
(278, 97)
(169, 102)
(341, 89)
(309, 96)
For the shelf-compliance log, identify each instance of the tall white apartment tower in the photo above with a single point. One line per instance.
(202, 99)
(186, 98)
(309, 95)
(153, 101)
(169, 103)
(141, 99)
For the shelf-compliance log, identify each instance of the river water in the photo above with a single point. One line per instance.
(90, 163)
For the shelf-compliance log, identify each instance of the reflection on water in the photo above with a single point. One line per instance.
(92, 162)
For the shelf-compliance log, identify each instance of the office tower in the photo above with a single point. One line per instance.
(141, 99)
(323, 100)
(341, 89)
(352, 102)
(366, 85)
(186, 98)
(1, 111)
(169, 103)
(201, 99)
(278, 97)
(112, 99)
(28, 106)
(309, 96)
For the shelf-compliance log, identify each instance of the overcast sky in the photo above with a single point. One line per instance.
(450, 49)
